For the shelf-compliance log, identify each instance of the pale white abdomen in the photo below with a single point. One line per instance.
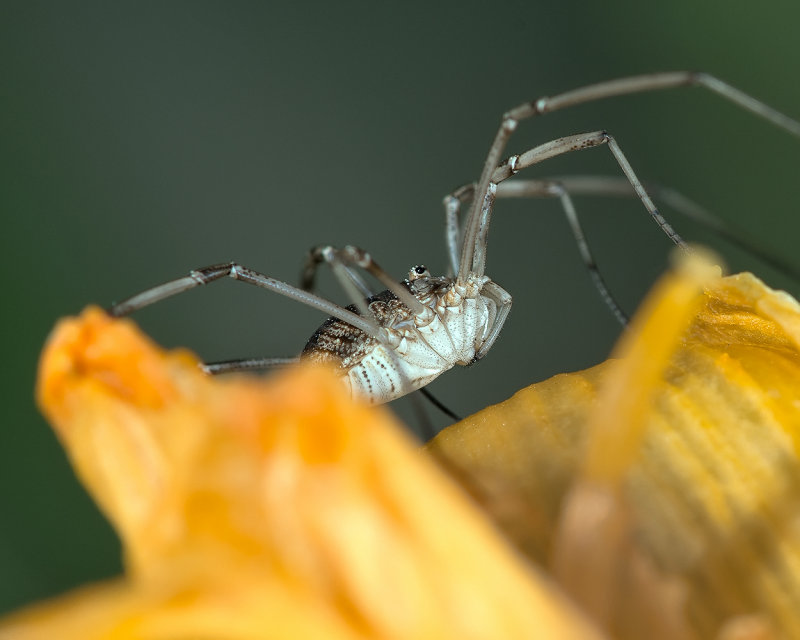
(408, 350)
(415, 355)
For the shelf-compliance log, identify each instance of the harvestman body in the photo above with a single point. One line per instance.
(390, 343)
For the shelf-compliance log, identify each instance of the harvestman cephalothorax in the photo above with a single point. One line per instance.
(393, 342)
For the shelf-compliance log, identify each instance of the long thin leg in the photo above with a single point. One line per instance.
(350, 255)
(613, 186)
(549, 150)
(599, 91)
(353, 256)
(588, 185)
(452, 207)
(246, 364)
(237, 272)
(561, 188)
(233, 270)
(552, 188)
(503, 301)
(262, 364)
(315, 258)
(586, 255)
(340, 260)
(609, 186)
(439, 405)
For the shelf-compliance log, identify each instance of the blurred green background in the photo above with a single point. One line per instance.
(143, 139)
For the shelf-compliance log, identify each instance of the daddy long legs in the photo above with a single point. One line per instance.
(389, 343)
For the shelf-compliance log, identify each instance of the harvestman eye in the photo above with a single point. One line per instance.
(389, 343)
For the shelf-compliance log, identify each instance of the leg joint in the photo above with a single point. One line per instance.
(214, 272)
(357, 256)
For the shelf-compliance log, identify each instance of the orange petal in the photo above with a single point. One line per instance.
(706, 456)
(253, 508)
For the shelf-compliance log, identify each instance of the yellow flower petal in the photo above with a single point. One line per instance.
(267, 509)
(664, 485)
